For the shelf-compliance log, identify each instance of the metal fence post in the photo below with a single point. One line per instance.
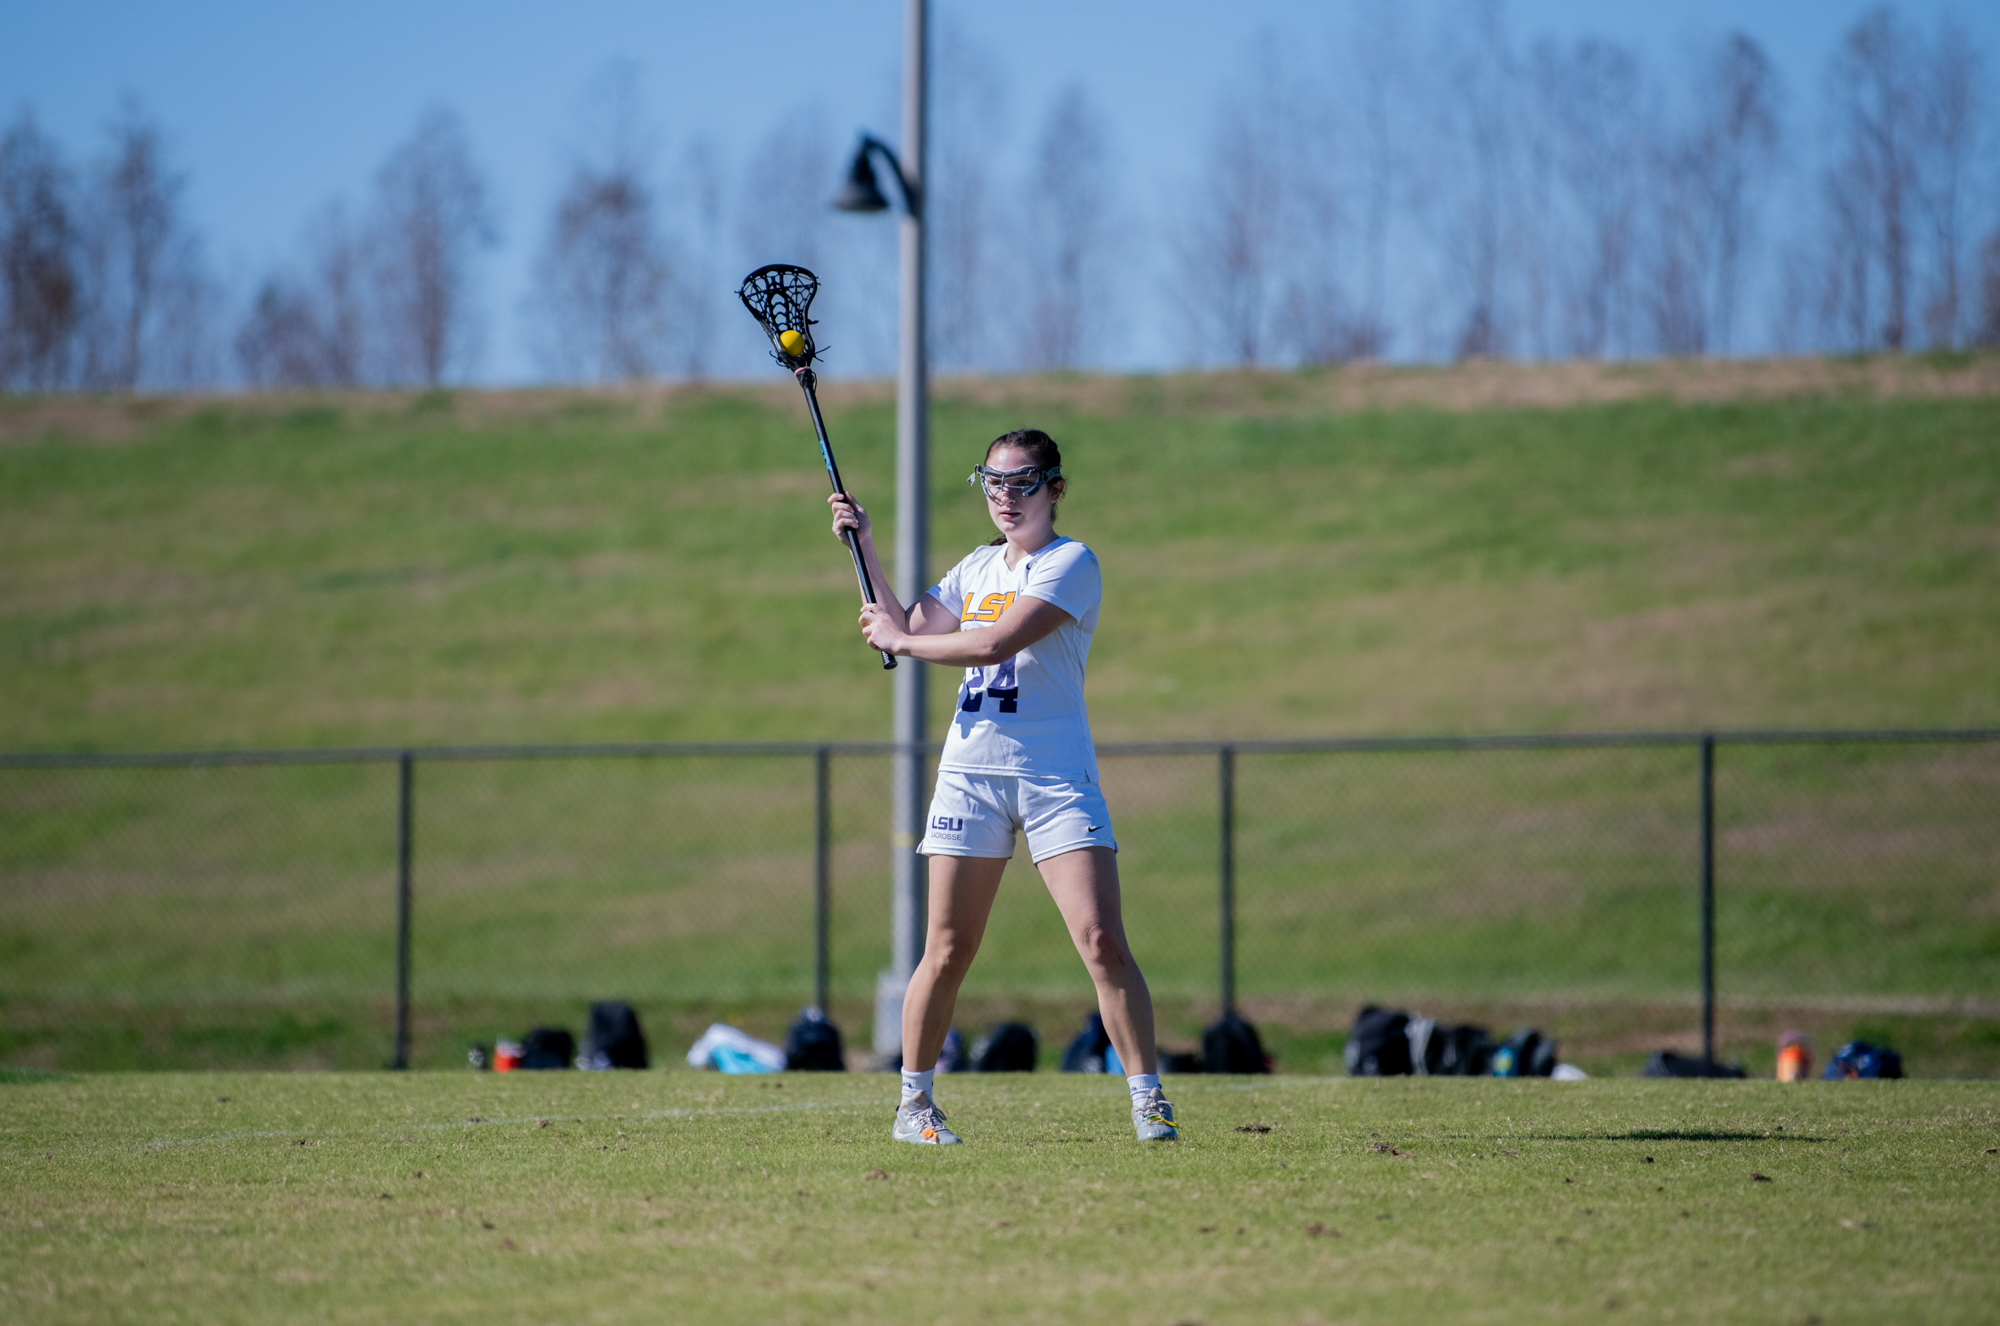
(1708, 897)
(1226, 788)
(405, 826)
(822, 873)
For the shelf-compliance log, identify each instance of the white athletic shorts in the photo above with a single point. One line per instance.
(976, 815)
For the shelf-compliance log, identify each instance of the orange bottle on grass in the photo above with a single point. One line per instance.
(1795, 1062)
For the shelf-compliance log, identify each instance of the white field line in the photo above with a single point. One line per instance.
(1248, 1083)
(482, 1122)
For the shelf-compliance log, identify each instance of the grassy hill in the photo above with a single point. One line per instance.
(1490, 548)
(548, 567)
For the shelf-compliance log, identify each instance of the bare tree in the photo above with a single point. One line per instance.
(1872, 84)
(1272, 260)
(1378, 62)
(1947, 113)
(337, 265)
(279, 342)
(430, 219)
(1988, 332)
(1737, 147)
(1681, 252)
(1066, 229)
(133, 235)
(1231, 250)
(187, 321)
(1707, 184)
(1850, 247)
(1795, 318)
(1319, 321)
(38, 260)
(1480, 133)
(961, 209)
(1602, 140)
(699, 296)
(309, 326)
(603, 280)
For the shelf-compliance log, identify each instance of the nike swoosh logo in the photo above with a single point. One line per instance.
(1093, 828)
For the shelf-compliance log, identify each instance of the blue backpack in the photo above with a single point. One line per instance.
(1859, 1059)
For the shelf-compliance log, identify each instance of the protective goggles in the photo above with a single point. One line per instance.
(1024, 482)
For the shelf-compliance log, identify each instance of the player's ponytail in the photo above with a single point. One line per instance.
(1042, 452)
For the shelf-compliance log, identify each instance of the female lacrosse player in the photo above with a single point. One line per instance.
(1017, 615)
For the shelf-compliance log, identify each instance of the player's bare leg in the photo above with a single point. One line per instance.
(962, 889)
(1084, 884)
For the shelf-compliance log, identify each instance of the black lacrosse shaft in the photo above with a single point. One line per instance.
(805, 377)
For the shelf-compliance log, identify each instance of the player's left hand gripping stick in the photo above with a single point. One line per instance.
(779, 297)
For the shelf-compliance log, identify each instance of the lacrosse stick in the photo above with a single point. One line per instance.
(779, 297)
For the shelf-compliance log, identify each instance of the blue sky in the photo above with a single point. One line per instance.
(274, 107)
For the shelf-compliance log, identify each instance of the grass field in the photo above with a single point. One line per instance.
(678, 1196)
(447, 569)
(1305, 554)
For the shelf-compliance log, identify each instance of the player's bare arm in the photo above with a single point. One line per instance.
(924, 617)
(1027, 622)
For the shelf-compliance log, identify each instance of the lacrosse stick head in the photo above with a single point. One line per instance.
(780, 297)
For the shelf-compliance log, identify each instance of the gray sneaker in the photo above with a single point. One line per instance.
(919, 1121)
(1154, 1118)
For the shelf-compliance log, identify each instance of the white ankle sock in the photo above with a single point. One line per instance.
(1141, 1083)
(913, 1082)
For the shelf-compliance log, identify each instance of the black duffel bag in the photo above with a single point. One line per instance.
(1233, 1046)
(548, 1048)
(1378, 1044)
(612, 1039)
(1010, 1047)
(812, 1045)
(1437, 1050)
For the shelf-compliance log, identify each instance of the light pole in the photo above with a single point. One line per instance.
(907, 801)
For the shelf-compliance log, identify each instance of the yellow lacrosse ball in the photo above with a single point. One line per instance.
(791, 342)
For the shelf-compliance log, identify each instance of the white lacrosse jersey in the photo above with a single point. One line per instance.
(1025, 716)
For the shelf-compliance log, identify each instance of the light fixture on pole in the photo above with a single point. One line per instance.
(862, 193)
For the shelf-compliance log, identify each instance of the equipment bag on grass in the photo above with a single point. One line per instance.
(548, 1048)
(1467, 1051)
(1859, 1059)
(1437, 1050)
(1378, 1044)
(1529, 1052)
(612, 1038)
(1008, 1048)
(1233, 1046)
(813, 1045)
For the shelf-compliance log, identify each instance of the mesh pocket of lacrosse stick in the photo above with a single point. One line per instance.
(780, 297)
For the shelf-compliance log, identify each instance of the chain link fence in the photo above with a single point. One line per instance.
(359, 908)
